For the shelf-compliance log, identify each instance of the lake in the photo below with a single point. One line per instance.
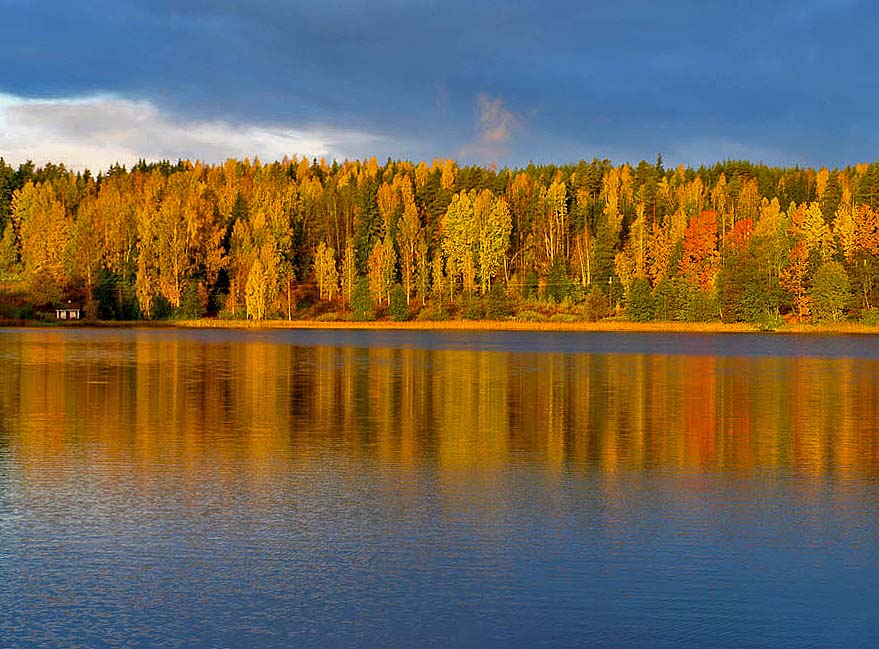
(170, 487)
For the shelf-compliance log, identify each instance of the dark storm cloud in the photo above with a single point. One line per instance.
(786, 82)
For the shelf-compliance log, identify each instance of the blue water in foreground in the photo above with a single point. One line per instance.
(402, 489)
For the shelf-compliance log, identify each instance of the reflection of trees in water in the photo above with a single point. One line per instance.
(147, 400)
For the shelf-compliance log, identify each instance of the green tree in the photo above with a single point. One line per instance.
(558, 285)
(831, 292)
(639, 303)
(498, 305)
(362, 301)
(745, 293)
(397, 306)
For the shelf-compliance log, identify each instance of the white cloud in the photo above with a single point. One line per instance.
(99, 130)
(495, 122)
(495, 125)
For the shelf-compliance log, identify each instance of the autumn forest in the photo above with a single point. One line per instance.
(305, 239)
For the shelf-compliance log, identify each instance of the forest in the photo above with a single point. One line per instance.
(359, 240)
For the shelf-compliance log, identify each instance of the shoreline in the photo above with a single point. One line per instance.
(606, 326)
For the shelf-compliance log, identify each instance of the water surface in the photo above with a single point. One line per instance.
(397, 489)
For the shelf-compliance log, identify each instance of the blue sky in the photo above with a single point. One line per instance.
(780, 82)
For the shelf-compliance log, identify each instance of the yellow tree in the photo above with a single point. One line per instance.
(422, 173)
(438, 277)
(475, 237)
(616, 193)
(422, 270)
(381, 264)
(180, 238)
(262, 283)
(844, 230)
(522, 197)
(748, 200)
(809, 225)
(689, 195)
(720, 203)
(624, 270)
(458, 239)
(584, 242)
(770, 240)
(409, 235)
(794, 279)
(115, 220)
(349, 271)
(664, 238)
(10, 268)
(272, 215)
(325, 272)
(861, 249)
(632, 261)
(867, 229)
(449, 175)
(148, 235)
(554, 221)
(44, 229)
(387, 199)
(242, 254)
(256, 297)
(85, 246)
(493, 224)
(822, 179)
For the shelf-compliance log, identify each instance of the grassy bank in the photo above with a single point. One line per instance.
(478, 325)
(512, 325)
(841, 328)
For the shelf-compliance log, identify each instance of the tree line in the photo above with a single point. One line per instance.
(356, 239)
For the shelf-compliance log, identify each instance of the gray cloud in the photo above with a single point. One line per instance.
(630, 76)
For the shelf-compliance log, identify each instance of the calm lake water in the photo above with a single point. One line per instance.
(414, 489)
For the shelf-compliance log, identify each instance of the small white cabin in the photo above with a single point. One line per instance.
(67, 313)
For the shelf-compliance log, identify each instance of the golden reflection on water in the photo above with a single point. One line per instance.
(138, 400)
